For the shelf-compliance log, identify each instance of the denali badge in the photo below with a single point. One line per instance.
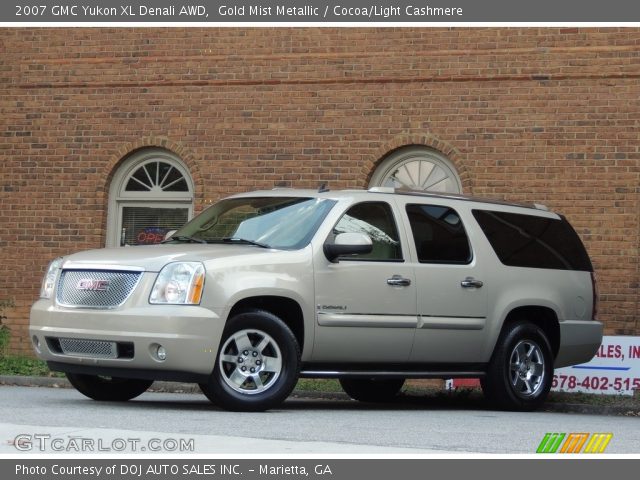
(93, 285)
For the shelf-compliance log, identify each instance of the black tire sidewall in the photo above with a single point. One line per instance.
(222, 394)
(497, 384)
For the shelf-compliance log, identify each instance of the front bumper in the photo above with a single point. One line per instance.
(190, 336)
(579, 342)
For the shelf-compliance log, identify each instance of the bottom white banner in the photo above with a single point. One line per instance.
(615, 370)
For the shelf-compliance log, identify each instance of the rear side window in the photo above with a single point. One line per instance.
(438, 234)
(534, 242)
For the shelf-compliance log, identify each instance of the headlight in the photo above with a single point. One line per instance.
(49, 280)
(179, 283)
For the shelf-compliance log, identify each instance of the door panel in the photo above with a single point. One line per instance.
(450, 282)
(366, 305)
(360, 317)
(452, 318)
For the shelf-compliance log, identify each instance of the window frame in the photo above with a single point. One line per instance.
(400, 157)
(412, 238)
(540, 263)
(119, 197)
(394, 217)
(301, 244)
(132, 204)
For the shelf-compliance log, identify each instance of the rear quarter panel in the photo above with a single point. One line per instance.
(567, 292)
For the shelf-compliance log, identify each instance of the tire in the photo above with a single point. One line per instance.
(254, 340)
(520, 372)
(111, 389)
(372, 390)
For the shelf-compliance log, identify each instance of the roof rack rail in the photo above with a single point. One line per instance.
(382, 190)
(455, 196)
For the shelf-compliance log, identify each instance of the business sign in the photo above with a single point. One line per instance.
(615, 370)
(151, 235)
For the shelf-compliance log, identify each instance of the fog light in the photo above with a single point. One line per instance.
(36, 343)
(161, 353)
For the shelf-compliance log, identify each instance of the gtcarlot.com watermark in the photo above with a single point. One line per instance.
(43, 442)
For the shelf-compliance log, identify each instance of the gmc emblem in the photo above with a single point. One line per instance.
(93, 285)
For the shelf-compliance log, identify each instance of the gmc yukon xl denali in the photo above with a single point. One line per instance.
(370, 287)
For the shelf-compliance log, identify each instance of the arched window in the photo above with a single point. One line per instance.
(150, 194)
(417, 168)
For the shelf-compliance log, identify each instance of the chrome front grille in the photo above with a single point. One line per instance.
(95, 288)
(88, 348)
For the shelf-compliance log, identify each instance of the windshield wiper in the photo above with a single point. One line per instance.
(244, 240)
(184, 238)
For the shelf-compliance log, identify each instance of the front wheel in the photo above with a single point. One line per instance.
(521, 369)
(112, 389)
(257, 365)
(372, 389)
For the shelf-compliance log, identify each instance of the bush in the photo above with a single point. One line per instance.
(5, 332)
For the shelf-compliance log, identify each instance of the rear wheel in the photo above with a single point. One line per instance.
(257, 365)
(372, 389)
(112, 389)
(521, 369)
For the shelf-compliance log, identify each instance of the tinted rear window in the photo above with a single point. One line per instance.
(535, 242)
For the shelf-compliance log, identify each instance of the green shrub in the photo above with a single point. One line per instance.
(5, 332)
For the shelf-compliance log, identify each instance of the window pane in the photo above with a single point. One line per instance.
(152, 170)
(133, 186)
(147, 225)
(164, 170)
(179, 186)
(157, 175)
(139, 182)
(438, 234)
(279, 222)
(532, 241)
(173, 181)
(374, 219)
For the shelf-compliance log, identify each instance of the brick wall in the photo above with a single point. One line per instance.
(550, 115)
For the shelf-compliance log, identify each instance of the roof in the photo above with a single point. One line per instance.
(322, 192)
(455, 196)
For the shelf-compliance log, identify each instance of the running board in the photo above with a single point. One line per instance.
(390, 374)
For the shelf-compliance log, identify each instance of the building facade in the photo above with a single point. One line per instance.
(112, 136)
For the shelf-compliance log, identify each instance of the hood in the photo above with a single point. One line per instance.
(153, 257)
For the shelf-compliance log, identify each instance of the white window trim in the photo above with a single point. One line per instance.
(118, 197)
(411, 153)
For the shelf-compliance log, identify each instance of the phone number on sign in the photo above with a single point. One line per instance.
(571, 382)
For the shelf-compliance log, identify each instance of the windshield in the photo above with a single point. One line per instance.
(276, 222)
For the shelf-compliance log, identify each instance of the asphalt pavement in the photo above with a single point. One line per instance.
(301, 426)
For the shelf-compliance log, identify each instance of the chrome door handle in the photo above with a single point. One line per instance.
(398, 281)
(471, 282)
